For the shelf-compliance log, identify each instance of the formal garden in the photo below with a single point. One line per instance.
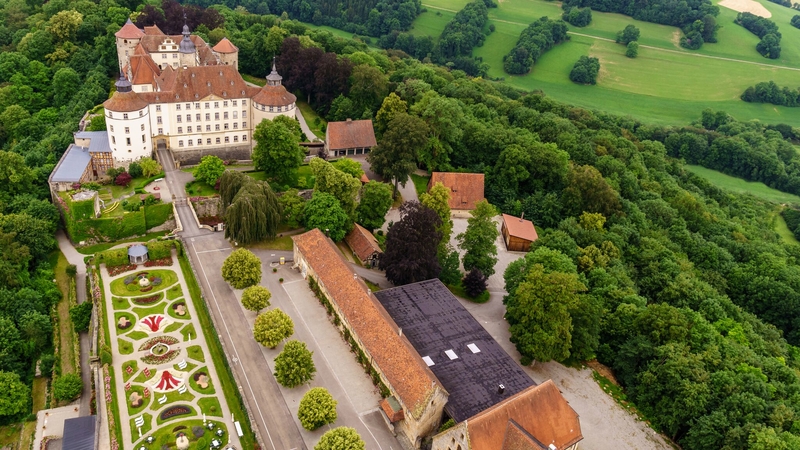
(166, 393)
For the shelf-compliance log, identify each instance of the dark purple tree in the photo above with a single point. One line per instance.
(474, 283)
(411, 245)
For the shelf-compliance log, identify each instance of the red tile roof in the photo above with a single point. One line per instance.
(129, 31)
(362, 242)
(153, 31)
(466, 189)
(143, 70)
(274, 96)
(408, 376)
(195, 83)
(125, 102)
(520, 228)
(225, 46)
(540, 410)
(351, 134)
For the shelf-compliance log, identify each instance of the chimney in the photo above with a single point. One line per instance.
(501, 389)
(400, 331)
(349, 119)
(522, 216)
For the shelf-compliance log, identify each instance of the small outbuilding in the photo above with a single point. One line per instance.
(466, 189)
(137, 254)
(351, 137)
(518, 233)
(364, 245)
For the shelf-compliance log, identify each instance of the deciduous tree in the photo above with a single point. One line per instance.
(292, 207)
(478, 241)
(209, 170)
(295, 365)
(340, 438)
(391, 107)
(376, 199)
(150, 167)
(256, 298)
(395, 156)
(438, 199)
(337, 183)
(474, 283)
(323, 211)
(242, 269)
(271, 327)
(14, 395)
(277, 151)
(411, 245)
(67, 387)
(317, 408)
(630, 33)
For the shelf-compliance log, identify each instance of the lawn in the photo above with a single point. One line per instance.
(783, 230)
(196, 353)
(302, 178)
(210, 406)
(313, 120)
(741, 186)
(200, 189)
(458, 291)
(279, 243)
(65, 334)
(168, 278)
(664, 85)
(420, 183)
(174, 292)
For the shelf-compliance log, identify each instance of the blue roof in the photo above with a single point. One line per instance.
(137, 250)
(72, 164)
(98, 141)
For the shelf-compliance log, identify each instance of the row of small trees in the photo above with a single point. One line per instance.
(294, 366)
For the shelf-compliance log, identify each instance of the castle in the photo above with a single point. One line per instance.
(175, 93)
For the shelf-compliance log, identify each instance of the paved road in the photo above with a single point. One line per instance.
(76, 258)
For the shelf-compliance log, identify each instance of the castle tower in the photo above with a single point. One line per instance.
(127, 124)
(273, 99)
(188, 52)
(128, 37)
(227, 53)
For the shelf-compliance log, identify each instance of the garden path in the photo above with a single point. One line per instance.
(120, 360)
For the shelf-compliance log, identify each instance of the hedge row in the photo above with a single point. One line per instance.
(155, 215)
(114, 257)
(159, 249)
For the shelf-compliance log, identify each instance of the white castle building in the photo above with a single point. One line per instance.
(178, 93)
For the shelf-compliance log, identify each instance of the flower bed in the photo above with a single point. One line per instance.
(116, 270)
(148, 300)
(159, 262)
(178, 410)
(148, 344)
(165, 358)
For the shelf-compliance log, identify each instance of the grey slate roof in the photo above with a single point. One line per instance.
(434, 321)
(79, 433)
(98, 142)
(137, 250)
(72, 164)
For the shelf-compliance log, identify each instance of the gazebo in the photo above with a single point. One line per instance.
(137, 254)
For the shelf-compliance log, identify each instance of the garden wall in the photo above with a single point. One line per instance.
(207, 206)
(105, 229)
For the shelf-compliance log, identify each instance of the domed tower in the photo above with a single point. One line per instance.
(187, 49)
(127, 124)
(273, 99)
(227, 53)
(128, 37)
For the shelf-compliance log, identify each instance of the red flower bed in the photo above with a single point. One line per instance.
(146, 288)
(159, 262)
(116, 270)
(147, 300)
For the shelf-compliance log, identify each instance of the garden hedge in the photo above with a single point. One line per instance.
(155, 215)
(115, 257)
(159, 249)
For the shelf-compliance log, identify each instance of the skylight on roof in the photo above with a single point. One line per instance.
(451, 354)
(427, 360)
(474, 348)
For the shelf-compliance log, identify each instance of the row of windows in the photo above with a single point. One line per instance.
(188, 106)
(208, 128)
(127, 129)
(208, 116)
(164, 56)
(190, 142)
(276, 108)
(127, 140)
(124, 115)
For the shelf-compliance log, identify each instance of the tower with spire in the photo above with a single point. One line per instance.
(187, 49)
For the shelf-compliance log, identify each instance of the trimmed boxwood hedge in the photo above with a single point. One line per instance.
(115, 257)
(159, 249)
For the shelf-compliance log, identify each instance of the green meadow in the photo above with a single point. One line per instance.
(741, 186)
(666, 84)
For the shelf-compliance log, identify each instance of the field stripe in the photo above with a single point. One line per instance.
(661, 49)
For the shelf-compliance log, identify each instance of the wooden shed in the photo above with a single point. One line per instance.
(518, 233)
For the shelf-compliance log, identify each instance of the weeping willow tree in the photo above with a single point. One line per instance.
(253, 214)
(230, 183)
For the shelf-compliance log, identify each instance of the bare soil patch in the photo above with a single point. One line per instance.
(602, 370)
(750, 6)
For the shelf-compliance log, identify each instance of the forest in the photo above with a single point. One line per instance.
(682, 289)
(770, 92)
(666, 12)
(767, 30)
(539, 37)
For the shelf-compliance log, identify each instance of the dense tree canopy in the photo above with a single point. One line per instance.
(294, 365)
(277, 151)
(667, 12)
(271, 327)
(317, 408)
(411, 245)
(537, 38)
(241, 269)
(585, 70)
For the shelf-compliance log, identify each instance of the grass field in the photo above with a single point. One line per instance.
(666, 84)
(741, 186)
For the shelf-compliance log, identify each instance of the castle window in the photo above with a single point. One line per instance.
(216, 104)
(143, 139)
(174, 56)
(180, 143)
(199, 142)
(227, 139)
(217, 140)
(216, 116)
(208, 116)
(244, 114)
(142, 127)
(112, 128)
(234, 102)
(158, 120)
(188, 129)
(197, 105)
(160, 131)
(208, 127)
(235, 125)
(190, 142)
(113, 140)
(244, 124)
(163, 56)
(225, 115)
(125, 116)
(128, 141)
(236, 139)
(127, 130)
(110, 115)
(270, 109)
(178, 107)
(158, 108)
(244, 102)
(208, 141)
(216, 127)
(179, 119)
(125, 41)
(226, 126)
(244, 137)
(225, 103)
(188, 106)
(188, 117)
(180, 130)
(197, 117)
(141, 113)
(236, 114)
